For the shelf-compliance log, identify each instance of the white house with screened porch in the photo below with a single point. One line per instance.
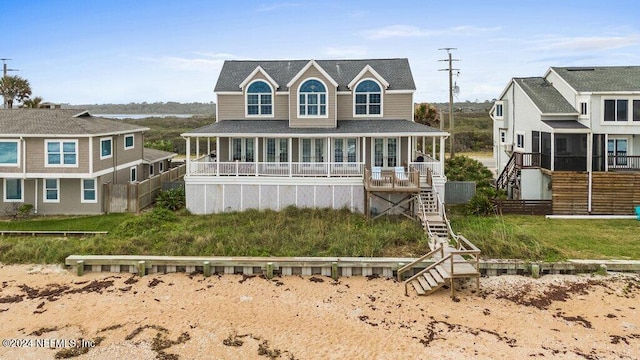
(314, 133)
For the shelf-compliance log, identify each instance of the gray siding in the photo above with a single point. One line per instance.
(36, 156)
(294, 120)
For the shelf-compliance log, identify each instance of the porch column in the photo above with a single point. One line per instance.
(197, 148)
(409, 152)
(364, 153)
(606, 152)
(433, 145)
(441, 155)
(209, 146)
(553, 151)
(329, 155)
(217, 155)
(188, 151)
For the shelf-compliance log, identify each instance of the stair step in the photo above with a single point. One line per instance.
(432, 282)
(436, 276)
(424, 283)
(444, 273)
(418, 287)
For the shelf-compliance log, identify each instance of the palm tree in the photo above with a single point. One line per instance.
(426, 114)
(33, 103)
(14, 88)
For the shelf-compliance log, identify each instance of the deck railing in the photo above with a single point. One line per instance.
(429, 163)
(391, 180)
(624, 162)
(293, 169)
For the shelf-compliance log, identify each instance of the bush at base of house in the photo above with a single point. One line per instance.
(173, 199)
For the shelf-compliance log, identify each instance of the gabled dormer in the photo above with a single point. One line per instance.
(312, 98)
(259, 90)
(368, 89)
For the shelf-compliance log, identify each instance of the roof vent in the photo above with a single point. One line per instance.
(581, 69)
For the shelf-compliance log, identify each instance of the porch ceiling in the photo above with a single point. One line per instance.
(280, 128)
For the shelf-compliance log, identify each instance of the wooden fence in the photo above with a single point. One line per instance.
(137, 196)
(524, 207)
(613, 193)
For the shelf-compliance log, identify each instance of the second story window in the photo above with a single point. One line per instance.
(9, 152)
(61, 153)
(106, 148)
(313, 99)
(368, 98)
(499, 110)
(583, 108)
(259, 99)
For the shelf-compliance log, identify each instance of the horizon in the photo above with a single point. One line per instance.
(163, 51)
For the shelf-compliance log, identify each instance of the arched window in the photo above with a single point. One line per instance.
(313, 98)
(259, 99)
(368, 99)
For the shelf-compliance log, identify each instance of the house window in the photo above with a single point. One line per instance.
(498, 110)
(313, 150)
(242, 149)
(13, 190)
(503, 136)
(385, 152)
(151, 170)
(259, 99)
(368, 98)
(9, 152)
(345, 150)
(312, 99)
(636, 110)
(583, 108)
(276, 150)
(128, 142)
(617, 149)
(520, 140)
(133, 174)
(616, 110)
(61, 153)
(161, 166)
(106, 148)
(51, 191)
(89, 191)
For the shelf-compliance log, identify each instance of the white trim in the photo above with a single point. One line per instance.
(305, 68)
(4, 190)
(18, 152)
(307, 135)
(629, 99)
(104, 139)
(133, 142)
(385, 149)
(61, 143)
(72, 175)
(550, 70)
(240, 92)
(367, 104)
(326, 99)
(161, 167)
(95, 190)
(272, 180)
(400, 91)
(494, 110)
(259, 105)
(357, 79)
(63, 136)
(44, 191)
(260, 70)
(501, 132)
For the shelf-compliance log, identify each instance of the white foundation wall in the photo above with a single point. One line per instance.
(203, 198)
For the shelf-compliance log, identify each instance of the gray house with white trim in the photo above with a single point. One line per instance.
(58, 160)
(308, 133)
(573, 119)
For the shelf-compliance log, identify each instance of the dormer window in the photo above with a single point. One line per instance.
(368, 98)
(259, 99)
(312, 99)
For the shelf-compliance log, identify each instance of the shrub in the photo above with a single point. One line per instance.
(482, 202)
(463, 168)
(173, 199)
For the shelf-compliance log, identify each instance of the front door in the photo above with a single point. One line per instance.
(617, 149)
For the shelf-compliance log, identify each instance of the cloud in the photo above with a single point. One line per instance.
(206, 62)
(277, 6)
(591, 43)
(409, 31)
(346, 52)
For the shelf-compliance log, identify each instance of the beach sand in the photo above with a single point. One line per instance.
(182, 316)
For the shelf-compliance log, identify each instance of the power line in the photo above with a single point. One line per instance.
(451, 90)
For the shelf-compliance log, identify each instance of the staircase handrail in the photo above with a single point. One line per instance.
(423, 219)
(420, 259)
(502, 180)
(421, 272)
(443, 213)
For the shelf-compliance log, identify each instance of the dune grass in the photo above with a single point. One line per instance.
(315, 232)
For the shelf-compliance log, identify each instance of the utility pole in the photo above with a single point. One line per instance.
(451, 122)
(4, 75)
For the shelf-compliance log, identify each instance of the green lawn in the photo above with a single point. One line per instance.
(313, 232)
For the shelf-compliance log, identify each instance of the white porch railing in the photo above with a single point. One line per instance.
(428, 164)
(294, 169)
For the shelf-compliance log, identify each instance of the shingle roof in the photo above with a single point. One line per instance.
(153, 155)
(34, 122)
(601, 78)
(545, 96)
(564, 124)
(281, 127)
(395, 71)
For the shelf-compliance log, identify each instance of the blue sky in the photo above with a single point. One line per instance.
(85, 52)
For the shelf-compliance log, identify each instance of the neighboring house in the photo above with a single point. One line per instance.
(58, 160)
(309, 133)
(574, 125)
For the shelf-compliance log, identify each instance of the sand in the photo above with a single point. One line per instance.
(182, 316)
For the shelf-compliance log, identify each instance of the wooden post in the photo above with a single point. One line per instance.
(269, 270)
(535, 271)
(142, 268)
(400, 277)
(206, 268)
(334, 270)
(80, 267)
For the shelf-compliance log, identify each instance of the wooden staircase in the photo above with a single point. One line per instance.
(452, 256)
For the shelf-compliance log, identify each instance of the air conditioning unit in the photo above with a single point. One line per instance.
(508, 147)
